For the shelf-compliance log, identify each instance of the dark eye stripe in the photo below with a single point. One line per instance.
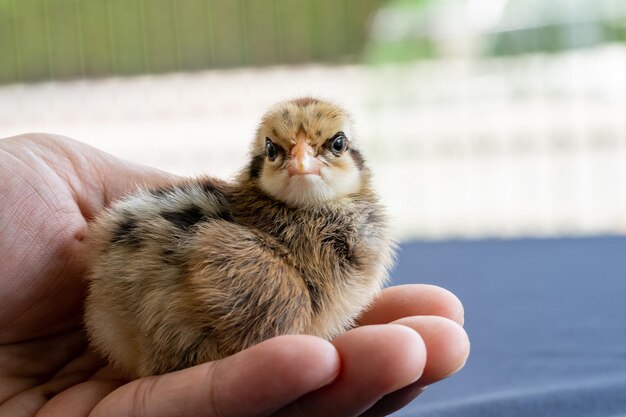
(256, 165)
(357, 157)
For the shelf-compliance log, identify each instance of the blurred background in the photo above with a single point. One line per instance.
(480, 118)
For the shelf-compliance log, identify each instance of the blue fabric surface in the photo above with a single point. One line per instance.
(547, 322)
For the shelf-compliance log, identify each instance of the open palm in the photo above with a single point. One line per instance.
(50, 187)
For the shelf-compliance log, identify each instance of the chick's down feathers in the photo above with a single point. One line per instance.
(200, 269)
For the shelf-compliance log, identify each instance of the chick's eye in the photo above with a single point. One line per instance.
(270, 150)
(338, 144)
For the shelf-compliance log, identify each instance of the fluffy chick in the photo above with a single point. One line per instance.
(204, 268)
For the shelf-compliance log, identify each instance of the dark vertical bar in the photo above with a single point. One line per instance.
(349, 28)
(111, 30)
(175, 9)
(313, 25)
(78, 16)
(211, 33)
(47, 39)
(16, 35)
(9, 65)
(145, 45)
(278, 24)
(245, 49)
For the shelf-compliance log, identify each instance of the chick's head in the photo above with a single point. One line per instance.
(304, 154)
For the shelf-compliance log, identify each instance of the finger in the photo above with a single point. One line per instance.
(79, 399)
(29, 403)
(447, 347)
(375, 360)
(254, 382)
(413, 300)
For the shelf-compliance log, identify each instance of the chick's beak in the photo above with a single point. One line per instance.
(303, 160)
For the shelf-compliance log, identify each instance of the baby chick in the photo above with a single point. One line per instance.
(201, 269)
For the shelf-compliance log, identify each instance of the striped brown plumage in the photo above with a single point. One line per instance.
(202, 268)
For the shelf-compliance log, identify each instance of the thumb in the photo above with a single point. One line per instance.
(94, 177)
(256, 381)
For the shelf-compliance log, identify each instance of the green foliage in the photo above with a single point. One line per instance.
(554, 37)
(63, 39)
(408, 30)
(401, 51)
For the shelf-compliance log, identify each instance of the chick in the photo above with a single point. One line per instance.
(201, 269)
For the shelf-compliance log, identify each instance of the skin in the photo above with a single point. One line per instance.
(50, 187)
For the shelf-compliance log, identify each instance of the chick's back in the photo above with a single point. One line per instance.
(202, 269)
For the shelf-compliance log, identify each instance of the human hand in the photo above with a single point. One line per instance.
(50, 187)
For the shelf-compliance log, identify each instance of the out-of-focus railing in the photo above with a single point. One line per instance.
(65, 39)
